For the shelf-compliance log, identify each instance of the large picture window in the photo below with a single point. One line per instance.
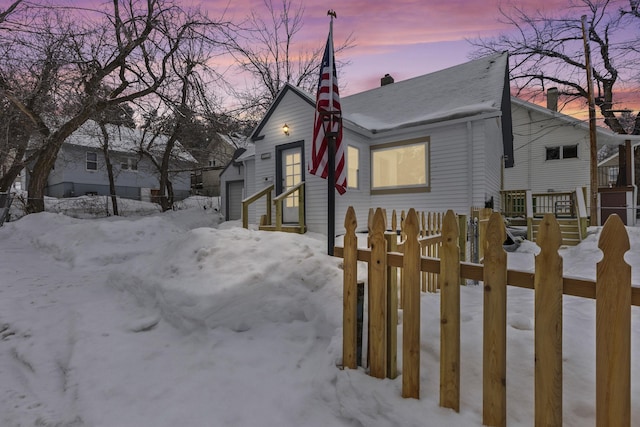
(400, 167)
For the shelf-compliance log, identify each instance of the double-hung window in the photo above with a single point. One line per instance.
(353, 166)
(129, 164)
(92, 161)
(400, 167)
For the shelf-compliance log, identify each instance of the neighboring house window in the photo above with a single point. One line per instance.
(212, 162)
(129, 164)
(92, 161)
(563, 152)
(570, 152)
(401, 167)
(353, 166)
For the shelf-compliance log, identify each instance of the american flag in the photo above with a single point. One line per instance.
(328, 109)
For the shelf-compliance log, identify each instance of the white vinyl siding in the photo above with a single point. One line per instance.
(457, 171)
(533, 134)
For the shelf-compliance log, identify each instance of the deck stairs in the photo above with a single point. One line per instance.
(267, 222)
(569, 228)
(286, 228)
(523, 207)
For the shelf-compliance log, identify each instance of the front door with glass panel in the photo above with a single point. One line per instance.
(291, 170)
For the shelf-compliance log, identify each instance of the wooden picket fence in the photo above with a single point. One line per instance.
(430, 228)
(611, 290)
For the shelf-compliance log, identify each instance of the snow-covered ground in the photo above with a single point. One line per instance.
(177, 319)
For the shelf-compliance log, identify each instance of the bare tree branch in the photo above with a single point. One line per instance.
(548, 50)
(264, 48)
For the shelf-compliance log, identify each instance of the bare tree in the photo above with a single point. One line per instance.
(4, 14)
(547, 50)
(15, 131)
(182, 103)
(69, 58)
(264, 47)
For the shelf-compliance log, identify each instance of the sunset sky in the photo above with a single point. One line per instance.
(404, 38)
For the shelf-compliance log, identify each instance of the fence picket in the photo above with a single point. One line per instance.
(392, 310)
(411, 304)
(613, 327)
(548, 325)
(449, 282)
(350, 298)
(378, 297)
(612, 290)
(494, 393)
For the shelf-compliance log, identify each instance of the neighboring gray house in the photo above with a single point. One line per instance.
(80, 167)
(433, 142)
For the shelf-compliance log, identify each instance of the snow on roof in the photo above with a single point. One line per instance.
(604, 135)
(464, 90)
(234, 139)
(125, 140)
(249, 153)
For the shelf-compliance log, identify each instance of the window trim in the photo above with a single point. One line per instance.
(129, 161)
(87, 161)
(406, 189)
(570, 146)
(561, 149)
(349, 185)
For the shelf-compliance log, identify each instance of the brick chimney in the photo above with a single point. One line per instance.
(552, 99)
(386, 80)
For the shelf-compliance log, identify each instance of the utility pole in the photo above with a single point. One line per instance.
(593, 205)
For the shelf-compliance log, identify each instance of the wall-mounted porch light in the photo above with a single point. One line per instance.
(285, 129)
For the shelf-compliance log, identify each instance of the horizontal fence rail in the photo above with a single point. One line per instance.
(612, 291)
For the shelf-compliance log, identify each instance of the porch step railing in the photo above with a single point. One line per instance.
(265, 192)
(568, 207)
(266, 221)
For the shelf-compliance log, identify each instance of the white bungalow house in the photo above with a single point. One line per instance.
(552, 152)
(80, 167)
(434, 142)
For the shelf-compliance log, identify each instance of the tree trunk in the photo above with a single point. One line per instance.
(14, 170)
(38, 179)
(47, 157)
(109, 165)
(19, 137)
(166, 189)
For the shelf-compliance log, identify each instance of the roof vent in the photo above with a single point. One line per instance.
(386, 80)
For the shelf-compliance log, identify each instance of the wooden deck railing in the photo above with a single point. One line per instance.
(251, 199)
(279, 200)
(612, 291)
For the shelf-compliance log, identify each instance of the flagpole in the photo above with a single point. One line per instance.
(331, 142)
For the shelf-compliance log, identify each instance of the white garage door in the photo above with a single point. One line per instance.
(234, 200)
